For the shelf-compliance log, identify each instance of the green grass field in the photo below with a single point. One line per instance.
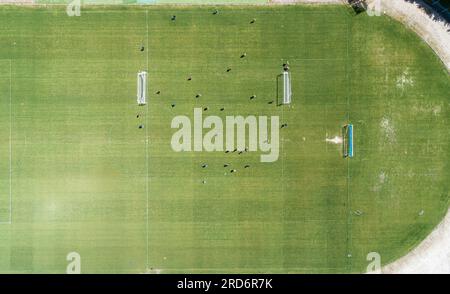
(77, 174)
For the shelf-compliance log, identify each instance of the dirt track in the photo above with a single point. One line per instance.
(16, 1)
(435, 33)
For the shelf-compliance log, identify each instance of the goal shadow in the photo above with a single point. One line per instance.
(279, 90)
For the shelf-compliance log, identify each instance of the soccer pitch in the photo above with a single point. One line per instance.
(77, 174)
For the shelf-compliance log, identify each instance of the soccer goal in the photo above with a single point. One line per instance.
(348, 140)
(287, 93)
(142, 88)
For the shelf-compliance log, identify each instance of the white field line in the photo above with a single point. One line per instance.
(146, 144)
(349, 200)
(10, 141)
(326, 130)
(10, 146)
(282, 159)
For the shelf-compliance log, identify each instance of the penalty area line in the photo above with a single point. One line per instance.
(147, 265)
(9, 222)
(10, 141)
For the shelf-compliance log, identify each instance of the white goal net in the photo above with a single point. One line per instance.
(286, 88)
(142, 88)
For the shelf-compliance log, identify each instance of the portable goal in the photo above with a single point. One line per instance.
(142, 88)
(348, 140)
(287, 93)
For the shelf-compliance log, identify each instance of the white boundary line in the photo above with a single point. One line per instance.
(349, 199)
(10, 142)
(146, 145)
(10, 146)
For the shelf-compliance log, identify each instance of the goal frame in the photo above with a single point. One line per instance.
(142, 88)
(287, 91)
(348, 141)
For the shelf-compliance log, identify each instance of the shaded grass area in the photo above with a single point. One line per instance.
(85, 180)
